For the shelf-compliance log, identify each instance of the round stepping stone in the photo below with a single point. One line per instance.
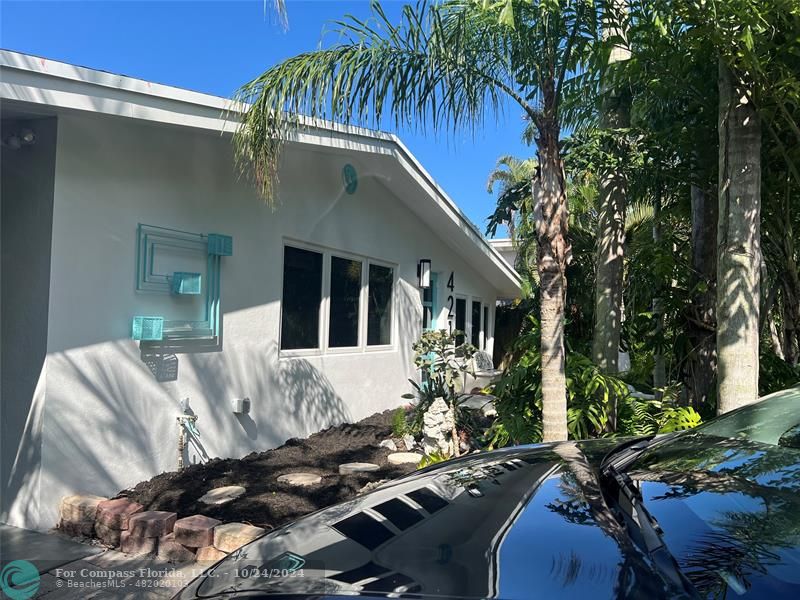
(300, 479)
(221, 495)
(404, 458)
(357, 467)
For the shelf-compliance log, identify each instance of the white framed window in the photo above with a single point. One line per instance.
(302, 298)
(335, 302)
(475, 323)
(380, 304)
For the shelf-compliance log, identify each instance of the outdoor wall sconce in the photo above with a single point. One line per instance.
(17, 140)
(424, 273)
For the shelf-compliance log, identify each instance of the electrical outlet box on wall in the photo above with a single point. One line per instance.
(241, 406)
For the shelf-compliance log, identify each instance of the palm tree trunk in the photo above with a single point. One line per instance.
(701, 323)
(659, 366)
(791, 321)
(611, 217)
(553, 250)
(791, 294)
(739, 243)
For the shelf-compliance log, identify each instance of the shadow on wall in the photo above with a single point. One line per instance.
(288, 397)
(98, 426)
(109, 424)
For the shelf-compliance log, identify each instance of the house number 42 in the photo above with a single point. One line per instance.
(450, 300)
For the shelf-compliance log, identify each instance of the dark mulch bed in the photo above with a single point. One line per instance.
(268, 503)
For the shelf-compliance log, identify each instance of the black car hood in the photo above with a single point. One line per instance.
(521, 523)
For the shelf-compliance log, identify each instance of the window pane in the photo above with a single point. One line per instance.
(302, 294)
(379, 313)
(461, 319)
(485, 325)
(345, 302)
(476, 324)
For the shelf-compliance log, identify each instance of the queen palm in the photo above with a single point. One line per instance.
(444, 67)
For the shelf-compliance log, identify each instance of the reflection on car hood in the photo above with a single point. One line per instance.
(730, 512)
(518, 523)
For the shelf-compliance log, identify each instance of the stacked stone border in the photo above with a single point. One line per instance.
(124, 524)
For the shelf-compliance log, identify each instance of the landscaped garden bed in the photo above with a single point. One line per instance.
(204, 511)
(267, 502)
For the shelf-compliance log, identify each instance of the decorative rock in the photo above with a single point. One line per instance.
(388, 444)
(131, 544)
(195, 531)
(230, 536)
(114, 514)
(209, 554)
(300, 479)
(172, 551)
(152, 523)
(357, 467)
(372, 485)
(80, 508)
(404, 458)
(108, 535)
(85, 529)
(437, 429)
(221, 495)
(408, 442)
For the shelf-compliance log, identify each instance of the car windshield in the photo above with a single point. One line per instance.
(727, 497)
(775, 420)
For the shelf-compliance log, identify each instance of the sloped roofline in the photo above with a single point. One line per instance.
(34, 80)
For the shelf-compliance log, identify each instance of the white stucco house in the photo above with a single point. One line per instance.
(120, 199)
(505, 247)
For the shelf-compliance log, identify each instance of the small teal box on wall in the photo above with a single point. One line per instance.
(186, 283)
(220, 245)
(148, 328)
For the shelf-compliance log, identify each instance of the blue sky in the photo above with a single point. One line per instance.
(214, 47)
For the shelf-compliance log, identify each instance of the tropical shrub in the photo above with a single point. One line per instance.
(775, 374)
(443, 363)
(591, 399)
(399, 424)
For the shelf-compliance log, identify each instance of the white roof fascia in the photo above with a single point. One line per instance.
(39, 81)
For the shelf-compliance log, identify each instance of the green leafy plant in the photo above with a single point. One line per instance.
(399, 424)
(432, 459)
(591, 397)
(775, 373)
(444, 363)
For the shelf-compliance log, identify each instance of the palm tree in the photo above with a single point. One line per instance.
(444, 67)
(613, 199)
(514, 176)
(739, 240)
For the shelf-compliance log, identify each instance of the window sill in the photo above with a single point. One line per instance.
(353, 351)
(381, 348)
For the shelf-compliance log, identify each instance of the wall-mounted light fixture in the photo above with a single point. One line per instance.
(424, 273)
(24, 137)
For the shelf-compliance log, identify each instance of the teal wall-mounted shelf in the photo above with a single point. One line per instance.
(186, 283)
(148, 328)
(220, 245)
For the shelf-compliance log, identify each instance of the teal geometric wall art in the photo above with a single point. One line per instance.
(158, 250)
(148, 328)
(220, 245)
(186, 284)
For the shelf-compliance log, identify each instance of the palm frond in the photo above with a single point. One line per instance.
(438, 67)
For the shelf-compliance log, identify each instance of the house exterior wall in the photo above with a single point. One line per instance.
(27, 216)
(108, 423)
(506, 249)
